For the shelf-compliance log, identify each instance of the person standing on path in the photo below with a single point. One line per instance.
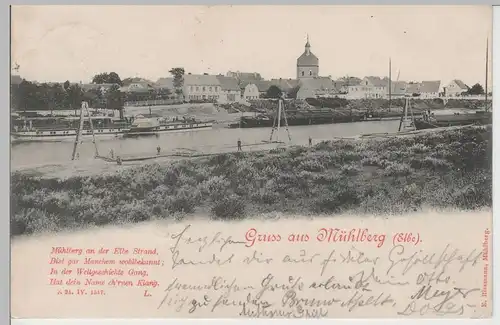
(239, 145)
(310, 142)
(158, 149)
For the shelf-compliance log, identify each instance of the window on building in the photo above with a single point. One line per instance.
(197, 88)
(310, 73)
(302, 73)
(210, 88)
(204, 88)
(191, 88)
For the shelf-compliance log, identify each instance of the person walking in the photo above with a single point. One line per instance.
(239, 145)
(310, 142)
(158, 149)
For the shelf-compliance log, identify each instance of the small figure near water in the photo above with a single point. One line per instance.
(239, 145)
(111, 153)
(158, 149)
(118, 160)
(310, 142)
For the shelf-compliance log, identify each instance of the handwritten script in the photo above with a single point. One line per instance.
(269, 270)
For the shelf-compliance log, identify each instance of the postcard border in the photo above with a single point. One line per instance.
(5, 167)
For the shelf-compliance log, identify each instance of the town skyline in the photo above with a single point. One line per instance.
(83, 44)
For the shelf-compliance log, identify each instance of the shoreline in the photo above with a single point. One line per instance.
(377, 174)
(92, 167)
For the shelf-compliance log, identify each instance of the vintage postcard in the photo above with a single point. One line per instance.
(251, 162)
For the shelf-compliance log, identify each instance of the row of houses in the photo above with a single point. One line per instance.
(241, 86)
(376, 87)
(234, 87)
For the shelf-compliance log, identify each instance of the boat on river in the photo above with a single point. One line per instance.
(300, 117)
(453, 118)
(154, 126)
(65, 128)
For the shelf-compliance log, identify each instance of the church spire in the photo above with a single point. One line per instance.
(308, 46)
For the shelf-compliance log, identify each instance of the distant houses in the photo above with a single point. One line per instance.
(377, 87)
(247, 86)
(369, 87)
(455, 88)
(230, 89)
(201, 87)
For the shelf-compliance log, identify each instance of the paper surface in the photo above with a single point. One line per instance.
(397, 268)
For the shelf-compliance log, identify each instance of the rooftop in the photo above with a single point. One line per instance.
(228, 83)
(201, 80)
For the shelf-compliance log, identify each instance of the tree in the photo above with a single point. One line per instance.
(178, 74)
(107, 78)
(292, 93)
(115, 98)
(58, 94)
(163, 93)
(74, 96)
(349, 81)
(274, 92)
(114, 78)
(477, 89)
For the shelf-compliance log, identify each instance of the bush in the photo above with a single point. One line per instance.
(350, 170)
(185, 201)
(231, 207)
(397, 169)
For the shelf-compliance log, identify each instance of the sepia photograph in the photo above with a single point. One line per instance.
(251, 161)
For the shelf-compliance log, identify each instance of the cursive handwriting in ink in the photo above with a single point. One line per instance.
(195, 304)
(270, 284)
(214, 259)
(356, 256)
(397, 257)
(203, 242)
(358, 300)
(302, 258)
(439, 302)
(361, 280)
(330, 284)
(330, 259)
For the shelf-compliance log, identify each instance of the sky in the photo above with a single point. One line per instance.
(58, 43)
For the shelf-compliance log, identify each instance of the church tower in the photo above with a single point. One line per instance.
(307, 63)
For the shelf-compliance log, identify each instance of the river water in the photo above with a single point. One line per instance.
(212, 140)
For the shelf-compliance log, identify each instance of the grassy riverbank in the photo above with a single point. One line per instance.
(435, 169)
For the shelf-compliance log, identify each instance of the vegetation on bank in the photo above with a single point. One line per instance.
(441, 169)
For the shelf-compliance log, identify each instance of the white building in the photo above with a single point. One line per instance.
(230, 90)
(201, 87)
(455, 88)
(430, 89)
(250, 91)
(369, 87)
